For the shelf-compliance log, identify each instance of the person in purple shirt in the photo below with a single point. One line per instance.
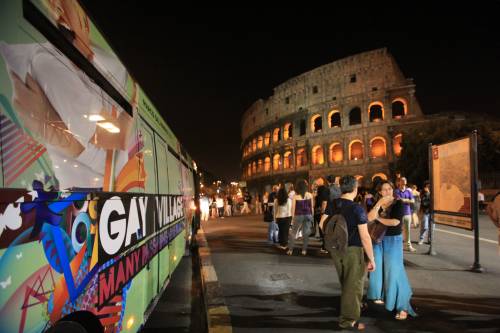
(405, 194)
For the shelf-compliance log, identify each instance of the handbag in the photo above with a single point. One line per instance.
(377, 231)
(268, 214)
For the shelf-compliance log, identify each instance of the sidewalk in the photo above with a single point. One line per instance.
(266, 290)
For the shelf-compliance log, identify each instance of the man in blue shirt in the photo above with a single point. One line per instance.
(405, 194)
(351, 265)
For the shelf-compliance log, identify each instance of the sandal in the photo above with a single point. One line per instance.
(355, 326)
(402, 315)
(289, 252)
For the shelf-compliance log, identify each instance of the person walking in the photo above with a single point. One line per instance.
(389, 284)
(283, 216)
(351, 265)
(425, 208)
(272, 228)
(258, 204)
(406, 196)
(302, 216)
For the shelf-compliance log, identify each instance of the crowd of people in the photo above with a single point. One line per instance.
(300, 211)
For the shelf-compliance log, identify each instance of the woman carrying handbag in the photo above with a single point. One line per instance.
(389, 284)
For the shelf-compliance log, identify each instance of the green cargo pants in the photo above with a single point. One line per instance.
(351, 269)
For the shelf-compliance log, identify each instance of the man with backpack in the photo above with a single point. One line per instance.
(348, 241)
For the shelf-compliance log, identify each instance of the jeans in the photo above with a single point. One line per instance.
(424, 227)
(304, 221)
(272, 232)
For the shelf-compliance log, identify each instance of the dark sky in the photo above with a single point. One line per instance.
(203, 67)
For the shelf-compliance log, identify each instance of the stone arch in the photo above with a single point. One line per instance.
(260, 141)
(356, 150)
(276, 134)
(317, 154)
(276, 162)
(301, 157)
(259, 166)
(267, 164)
(399, 108)
(396, 144)
(355, 116)
(254, 168)
(254, 144)
(316, 123)
(376, 111)
(334, 119)
(287, 131)
(378, 147)
(336, 152)
(287, 160)
(267, 139)
(381, 175)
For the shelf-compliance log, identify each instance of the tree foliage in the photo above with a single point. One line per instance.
(414, 159)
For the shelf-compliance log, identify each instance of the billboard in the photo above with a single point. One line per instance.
(452, 183)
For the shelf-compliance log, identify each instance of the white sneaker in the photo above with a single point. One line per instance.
(421, 242)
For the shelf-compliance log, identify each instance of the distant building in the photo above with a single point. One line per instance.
(346, 117)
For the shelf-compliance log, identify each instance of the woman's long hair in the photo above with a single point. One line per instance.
(301, 187)
(282, 196)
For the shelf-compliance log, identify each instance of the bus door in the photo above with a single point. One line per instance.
(163, 190)
(146, 135)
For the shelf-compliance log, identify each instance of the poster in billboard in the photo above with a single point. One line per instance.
(451, 178)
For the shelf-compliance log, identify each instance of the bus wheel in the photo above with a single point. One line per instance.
(78, 322)
(67, 327)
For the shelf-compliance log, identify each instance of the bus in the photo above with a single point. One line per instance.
(97, 197)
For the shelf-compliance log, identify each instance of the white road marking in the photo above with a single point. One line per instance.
(467, 236)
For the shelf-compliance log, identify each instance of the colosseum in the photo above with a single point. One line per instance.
(345, 117)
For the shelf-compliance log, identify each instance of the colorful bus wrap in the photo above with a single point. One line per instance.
(97, 194)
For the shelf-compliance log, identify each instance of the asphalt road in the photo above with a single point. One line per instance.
(267, 291)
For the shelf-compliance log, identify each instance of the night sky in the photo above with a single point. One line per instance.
(203, 67)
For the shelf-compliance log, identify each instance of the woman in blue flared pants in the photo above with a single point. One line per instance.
(389, 283)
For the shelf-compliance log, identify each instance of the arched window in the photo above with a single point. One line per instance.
(334, 119)
(276, 162)
(377, 147)
(287, 133)
(254, 144)
(301, 157)
(267, 164)
(267, 139)
(259, 166)
(336, 152)
(355, 116)
(359, 178)
(260, 142)
(396, 144)
(288, 160)
(249, 170)
(376, 112)
(254, 167)
(276, 134)
(317, 155)
(380, 175)
(399, 108)
(356, 150)
(316, 123)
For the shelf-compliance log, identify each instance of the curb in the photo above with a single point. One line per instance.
(218, 318)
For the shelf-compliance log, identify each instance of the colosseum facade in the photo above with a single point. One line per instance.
(345, 117)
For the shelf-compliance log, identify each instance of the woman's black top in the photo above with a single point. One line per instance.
(395, 211)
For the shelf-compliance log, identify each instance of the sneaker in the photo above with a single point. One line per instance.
(323, 251)
(421, 242)
(410, 249)
(304, 252)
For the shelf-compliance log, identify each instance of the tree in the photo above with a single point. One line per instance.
(413, 162)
